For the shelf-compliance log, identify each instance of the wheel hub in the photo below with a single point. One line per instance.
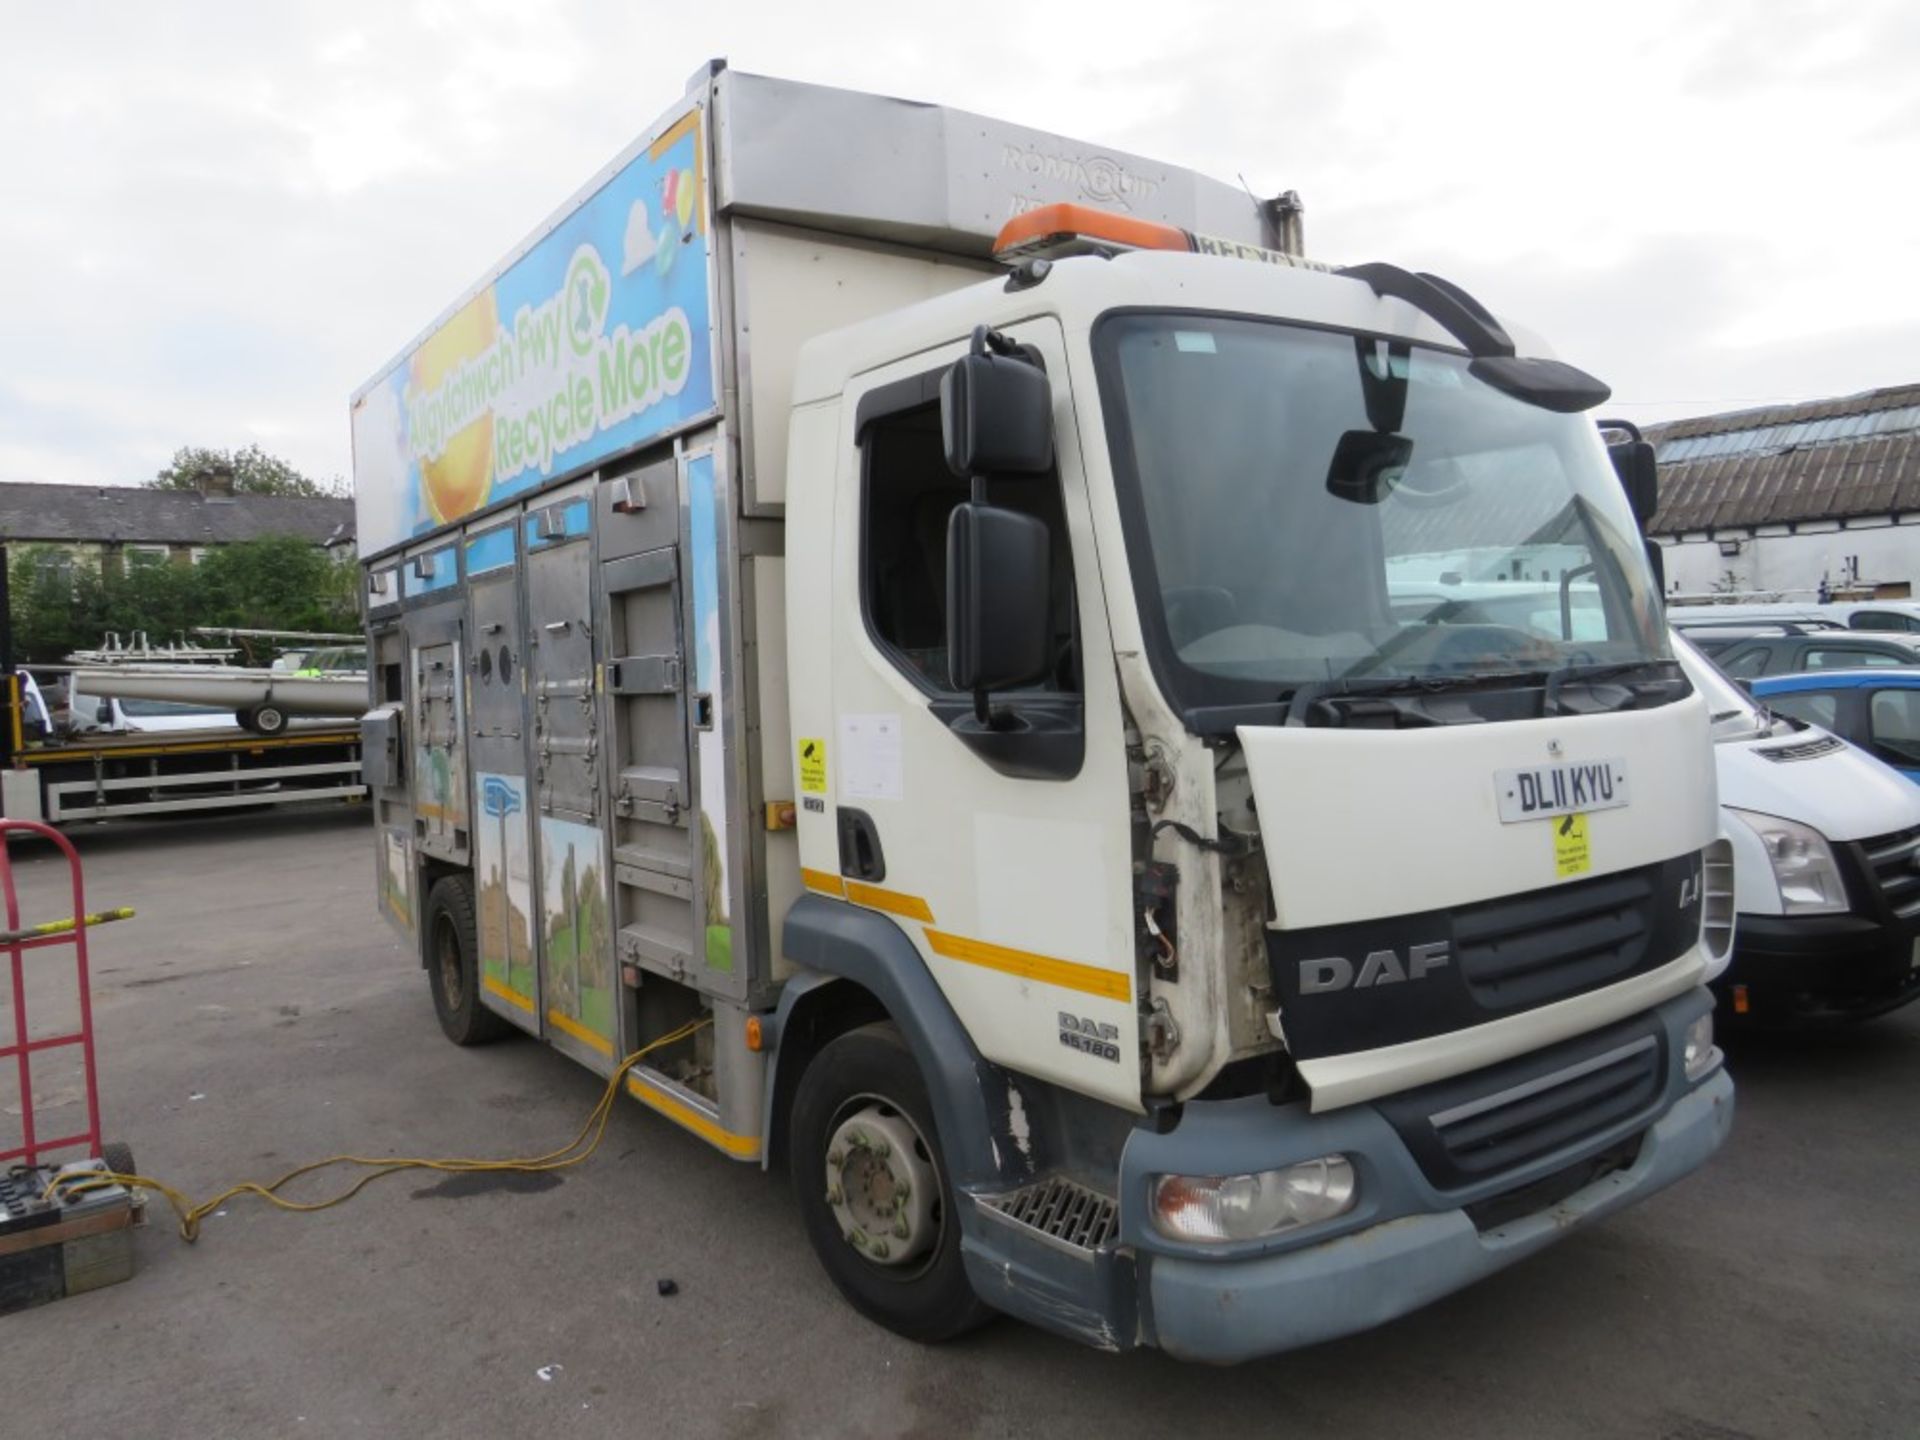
(881, 1187)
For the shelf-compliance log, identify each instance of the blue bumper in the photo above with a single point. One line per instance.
(1227, 1310)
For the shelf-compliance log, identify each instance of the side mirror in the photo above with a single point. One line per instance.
(996, 413)
(1639, 476)
(998, 593)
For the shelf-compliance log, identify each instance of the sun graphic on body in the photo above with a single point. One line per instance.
(456, 483)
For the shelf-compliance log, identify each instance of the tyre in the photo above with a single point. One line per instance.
(453, 965)
(873, 1191)
(266, 719)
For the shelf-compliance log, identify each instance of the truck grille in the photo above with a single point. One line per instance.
(1530, 949)
(1891, 860)
(1510, 1128)
(1802, 749)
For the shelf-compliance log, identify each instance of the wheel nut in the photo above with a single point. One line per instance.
(881, 1249)
(900, 1231)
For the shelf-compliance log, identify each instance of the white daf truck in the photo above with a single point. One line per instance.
(909, 596)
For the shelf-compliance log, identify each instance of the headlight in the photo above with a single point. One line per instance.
(1247, 1207)
(1700, 1053)
(1803, 865)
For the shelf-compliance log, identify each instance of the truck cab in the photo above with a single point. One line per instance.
(1251, 853)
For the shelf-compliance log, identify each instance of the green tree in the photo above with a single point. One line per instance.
(255, 472)
(279, 582)
(63, 602)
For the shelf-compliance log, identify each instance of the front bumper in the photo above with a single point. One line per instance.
(1455, 1180)
(1229, 1311)
(1811, 968)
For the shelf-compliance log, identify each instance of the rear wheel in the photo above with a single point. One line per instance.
(873, 1190)
(453, 968)
(266, 719)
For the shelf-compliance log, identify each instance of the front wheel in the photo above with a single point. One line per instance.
(453, 968)
(878, 1206)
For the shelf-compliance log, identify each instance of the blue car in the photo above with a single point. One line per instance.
(1878, 710)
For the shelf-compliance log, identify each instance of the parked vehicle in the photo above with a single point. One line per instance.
(1851, 614)
(1723, 635)
(1826, 887)
(137, 757)
(1878, 710)
(956, 665)
(92, 709)
(1814, 650)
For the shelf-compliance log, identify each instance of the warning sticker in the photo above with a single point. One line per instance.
(813, 766)
(1570, 853)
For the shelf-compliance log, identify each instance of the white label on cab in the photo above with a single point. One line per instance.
(1569, 789)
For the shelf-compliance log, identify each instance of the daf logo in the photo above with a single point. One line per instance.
(1381, 967)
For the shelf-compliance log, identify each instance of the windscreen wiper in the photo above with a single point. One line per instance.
(1627, 698)
(1344, 692)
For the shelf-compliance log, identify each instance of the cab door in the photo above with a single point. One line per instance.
(1008, 866)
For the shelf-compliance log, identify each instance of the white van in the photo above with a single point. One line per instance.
(1825, 840)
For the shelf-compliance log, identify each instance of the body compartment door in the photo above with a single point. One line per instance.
(497, 749)
(577, 981)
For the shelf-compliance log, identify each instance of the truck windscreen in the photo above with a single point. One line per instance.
(1313, 507)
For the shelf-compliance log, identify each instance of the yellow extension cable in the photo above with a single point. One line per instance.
(79, 1182)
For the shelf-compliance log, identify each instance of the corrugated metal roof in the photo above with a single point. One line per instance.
(1821, 460)
(125, 513)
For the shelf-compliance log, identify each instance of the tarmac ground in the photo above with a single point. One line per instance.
(258, 1013)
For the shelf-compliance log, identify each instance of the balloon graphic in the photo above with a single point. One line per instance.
(684, 197)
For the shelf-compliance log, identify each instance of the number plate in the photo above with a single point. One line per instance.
(1574, 788)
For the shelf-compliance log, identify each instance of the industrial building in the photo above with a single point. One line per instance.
(1819, 500)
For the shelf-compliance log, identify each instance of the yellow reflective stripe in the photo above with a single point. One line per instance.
(511, 996)
(1068, 974)
(892, 901)
(251, 744)
(567, 1025)
(825, 881)
(676, 1110)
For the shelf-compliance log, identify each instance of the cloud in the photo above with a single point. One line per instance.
(228, 221)
(640, 244)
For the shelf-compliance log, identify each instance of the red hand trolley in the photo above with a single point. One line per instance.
(54, 1247)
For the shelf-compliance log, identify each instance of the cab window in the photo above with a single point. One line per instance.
(906, 498)
(1894, 725)
(1882, 620)
(1809, 705)
(1745, 664)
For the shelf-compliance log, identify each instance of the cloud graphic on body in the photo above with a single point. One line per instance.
(640, 244)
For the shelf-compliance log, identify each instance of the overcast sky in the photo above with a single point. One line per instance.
(219, 219)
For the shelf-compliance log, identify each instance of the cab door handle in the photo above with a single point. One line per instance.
(860, 854)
